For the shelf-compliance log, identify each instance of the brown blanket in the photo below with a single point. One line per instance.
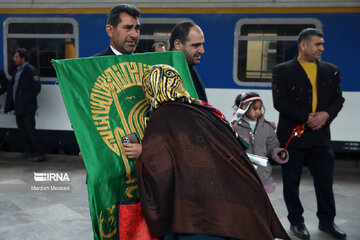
(194, 177)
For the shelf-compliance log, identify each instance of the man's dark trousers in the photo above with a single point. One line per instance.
(26, 125)
(320, 162)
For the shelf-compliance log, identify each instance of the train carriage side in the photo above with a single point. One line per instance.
(241, 49)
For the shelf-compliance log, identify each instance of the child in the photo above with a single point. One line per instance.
(249, 123)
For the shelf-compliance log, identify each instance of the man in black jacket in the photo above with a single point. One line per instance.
(307, 91)
(189, 38)
(123, 29)
(23, 89)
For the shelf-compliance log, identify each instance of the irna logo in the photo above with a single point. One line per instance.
(51, 177)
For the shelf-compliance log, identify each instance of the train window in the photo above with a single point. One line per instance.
(44, 38)
(260, 44)
(38, 28)
(155, 30)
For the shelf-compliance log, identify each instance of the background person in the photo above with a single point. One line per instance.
(22, 92)
(193, 174)
(307, 91)
(158, 47)
(189, 38)
(250, 124)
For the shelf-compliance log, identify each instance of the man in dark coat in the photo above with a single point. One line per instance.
(123, 28)
(189, 38)
(307, 91)
(23, 89)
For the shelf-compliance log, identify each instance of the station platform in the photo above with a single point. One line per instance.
(63, 213)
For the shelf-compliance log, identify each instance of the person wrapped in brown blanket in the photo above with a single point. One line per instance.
(194, 176)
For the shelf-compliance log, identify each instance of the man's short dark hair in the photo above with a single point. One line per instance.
(181, 32)
(307, 33)
(23, 53)
(158, 44)
(113, 17)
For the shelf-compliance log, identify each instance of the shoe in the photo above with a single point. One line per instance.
(39, 158)
(300, 231)
(333, 231)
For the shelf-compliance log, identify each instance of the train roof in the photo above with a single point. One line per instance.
(175, 5)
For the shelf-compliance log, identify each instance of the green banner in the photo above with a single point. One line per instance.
(105, 101)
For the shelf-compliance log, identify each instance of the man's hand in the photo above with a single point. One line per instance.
(133, 150)
(317, 119)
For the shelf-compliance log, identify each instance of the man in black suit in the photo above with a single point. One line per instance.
(23, 89)
(123, 28)
(307, 91)
(189, 38)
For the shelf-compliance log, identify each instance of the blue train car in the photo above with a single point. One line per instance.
(243, 43)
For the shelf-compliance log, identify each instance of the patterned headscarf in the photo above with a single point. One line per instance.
(161, 84)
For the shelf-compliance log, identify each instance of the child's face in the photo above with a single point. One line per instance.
(254, 111)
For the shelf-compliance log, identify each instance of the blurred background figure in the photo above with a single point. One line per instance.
(22, 92)
(159, 47)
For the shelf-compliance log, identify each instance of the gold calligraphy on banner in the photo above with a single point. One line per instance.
(110, 99)
(110, 222)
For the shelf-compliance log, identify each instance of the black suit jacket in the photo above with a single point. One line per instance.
(292, 96)
(198, 84)
(106, 52)
(26, 93)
